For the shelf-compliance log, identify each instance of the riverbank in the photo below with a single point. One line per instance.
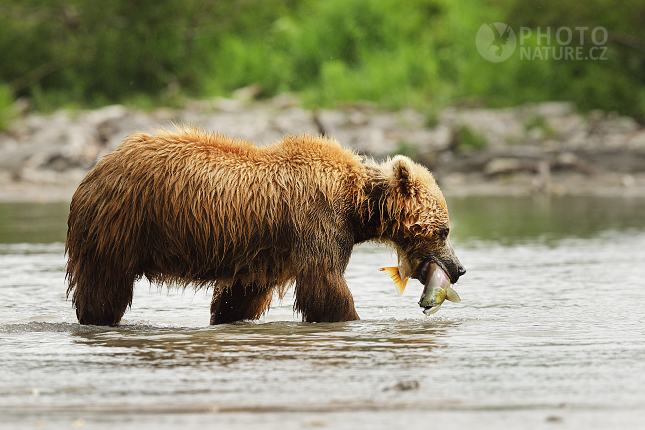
(546, 148)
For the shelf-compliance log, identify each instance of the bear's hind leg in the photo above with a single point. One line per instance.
(239, 302)
(102, 300)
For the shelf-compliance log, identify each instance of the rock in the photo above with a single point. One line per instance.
(104, 114)
(404, 386)
(567, 159)
(81, 141)
(358, 118)
(162, 115)
(22, 105)
(554, 109)
(284, 100)
(498, 166)
(5, 177)
(14, 156)
(294, 120)
(228, 105)
(412, 119)
(330, 121)
(628, 181)
(636, 141)
(567, 125)
(250, 124)
(247, 94)
(616, 125)
(63, 146)
(499, 127)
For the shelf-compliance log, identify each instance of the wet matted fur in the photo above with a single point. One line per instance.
(186, 207)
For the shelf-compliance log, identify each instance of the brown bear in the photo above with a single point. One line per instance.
(188, 207)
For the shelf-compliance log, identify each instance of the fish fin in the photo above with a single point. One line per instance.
(431, 310)
(396, 277)
(452, 295)
(400, 288)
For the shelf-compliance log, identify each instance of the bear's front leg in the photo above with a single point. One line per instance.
(324, 297)
(239, 302)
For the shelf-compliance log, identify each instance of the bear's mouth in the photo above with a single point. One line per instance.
(423, 274)
(425, 269)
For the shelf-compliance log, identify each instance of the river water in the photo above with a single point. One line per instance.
(550, 333)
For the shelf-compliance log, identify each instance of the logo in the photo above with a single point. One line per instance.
(495, 42)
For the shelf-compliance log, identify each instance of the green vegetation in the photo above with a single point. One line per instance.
(6, 107)
(419, 53)
(466, 140)
(408, 149)
(540, 123)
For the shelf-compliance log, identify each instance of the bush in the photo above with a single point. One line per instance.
(418, 53)
(7, 112)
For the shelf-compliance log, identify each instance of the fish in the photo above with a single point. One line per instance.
(437, 290)
(396, 277)
(400, 274)
(437, 287)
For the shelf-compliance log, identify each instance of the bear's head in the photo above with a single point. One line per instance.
(415, 220)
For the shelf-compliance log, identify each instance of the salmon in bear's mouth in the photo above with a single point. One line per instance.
(435, 280)
(400, 275)
(437, 288)
(428, 268)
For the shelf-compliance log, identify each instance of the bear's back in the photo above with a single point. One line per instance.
(208, 180)
(183, 144)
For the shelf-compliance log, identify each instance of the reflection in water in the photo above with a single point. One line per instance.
(509, 219)
(33, 222)
(339, 344)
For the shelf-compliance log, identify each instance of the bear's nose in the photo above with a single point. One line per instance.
(461, 270)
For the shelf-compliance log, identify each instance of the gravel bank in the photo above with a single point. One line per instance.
(546, 148)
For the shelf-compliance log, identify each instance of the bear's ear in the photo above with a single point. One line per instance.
(402, 173)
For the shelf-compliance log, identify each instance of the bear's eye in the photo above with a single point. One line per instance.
(443, 233)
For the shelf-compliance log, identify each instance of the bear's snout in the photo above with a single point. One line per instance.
(451, 264)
